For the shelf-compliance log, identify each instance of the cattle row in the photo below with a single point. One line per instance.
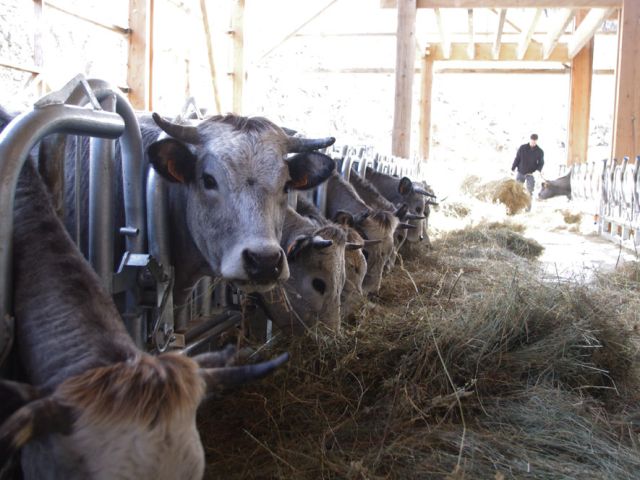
(80, 398)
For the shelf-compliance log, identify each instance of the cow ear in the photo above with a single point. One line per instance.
(298, 245)
(405, 186)
(173, 160)
(14, 395)
(308, 170)
(344, 218)
(35, 419)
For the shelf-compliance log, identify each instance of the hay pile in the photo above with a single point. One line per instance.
(506, 191)
(571, 218)
(486, 372)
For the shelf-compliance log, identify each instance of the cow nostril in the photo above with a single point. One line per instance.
(263, 266)
(319, 285)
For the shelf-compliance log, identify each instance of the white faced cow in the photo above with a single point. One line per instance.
(96, 407)
(228, 178)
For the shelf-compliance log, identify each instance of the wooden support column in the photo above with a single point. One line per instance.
(237, 75)
(405, 64)
(426, 86)
(139, 63)
(212, 63)
(580, 101)
(626, 120)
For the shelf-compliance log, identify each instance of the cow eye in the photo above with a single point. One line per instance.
(366, 254)
(209, 182)
(287, 187)
(418, 209)
(319, 285)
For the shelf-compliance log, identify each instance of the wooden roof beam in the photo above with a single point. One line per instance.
(508, 52)
(445, 42)
(471, 48)
(560, 24)
(587, 29)
(525, 38)
(497, 42)
(508, 3)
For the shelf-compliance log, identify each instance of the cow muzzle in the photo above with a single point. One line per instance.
(263, 266)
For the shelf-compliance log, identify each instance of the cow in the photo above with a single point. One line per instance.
(372, 197)
(355, 263)
(316, 257)
(227, 180)
(403, 190)
(555, 188)
(345, 206)
(95, 405)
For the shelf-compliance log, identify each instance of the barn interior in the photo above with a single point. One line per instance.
(506, 345)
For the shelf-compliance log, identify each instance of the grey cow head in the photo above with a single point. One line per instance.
(377, 229)
(417, 200)
(234, 181)
(312, 293)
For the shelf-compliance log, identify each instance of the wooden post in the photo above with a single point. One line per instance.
(580, 101)
(426, 86)
(626, 119)
(405, 64)
(38, 55)
(212, 65)
(237, 75)
(139, 64)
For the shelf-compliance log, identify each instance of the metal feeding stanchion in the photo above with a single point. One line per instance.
(16, 141)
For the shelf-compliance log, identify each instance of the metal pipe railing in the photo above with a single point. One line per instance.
(133, 170)
(102, 202)
(16, 141)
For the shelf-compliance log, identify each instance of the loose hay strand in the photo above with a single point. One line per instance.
(546, 375)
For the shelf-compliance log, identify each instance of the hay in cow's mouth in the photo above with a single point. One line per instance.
(487, 372)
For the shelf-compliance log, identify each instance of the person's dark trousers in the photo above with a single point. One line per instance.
(527, 178)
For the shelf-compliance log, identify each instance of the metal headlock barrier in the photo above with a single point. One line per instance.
(143, 281)
(609, 190)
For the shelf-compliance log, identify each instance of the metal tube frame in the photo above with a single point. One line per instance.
(16, 142)
(102, 203)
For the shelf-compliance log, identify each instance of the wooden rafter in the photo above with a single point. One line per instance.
(525, 38)
(508, 3)
(445, 42)
(471, 50)
(508, 52)
(587, 29)
(560, 24)
(296, 30)
(139, 62)
(497, 41)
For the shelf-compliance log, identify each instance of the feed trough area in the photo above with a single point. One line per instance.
(372, 239)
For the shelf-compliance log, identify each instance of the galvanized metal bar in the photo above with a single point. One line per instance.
(16, 141)
(346, 167)
(132, 160)
(102, 202)
(204, 294)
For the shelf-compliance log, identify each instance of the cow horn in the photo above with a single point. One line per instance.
(288, 131)
(401, 212)
(422, 191)
(186, 133)
(412, 216)
(405, 226)
(353, 246)
(429, 202)
(320, 243)
(368, 243)
(229, 376)
(303, 145)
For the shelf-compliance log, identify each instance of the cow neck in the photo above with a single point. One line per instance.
(342, 196)
(188, 262)
(66, 323)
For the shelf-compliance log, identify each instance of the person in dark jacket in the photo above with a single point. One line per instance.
(530, 158)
